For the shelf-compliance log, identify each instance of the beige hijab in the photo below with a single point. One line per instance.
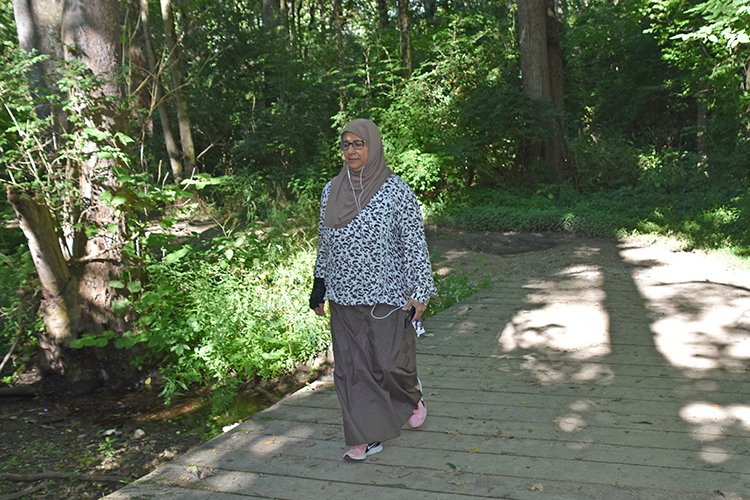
(346, 188)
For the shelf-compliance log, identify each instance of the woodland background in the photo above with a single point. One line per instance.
(125, 126)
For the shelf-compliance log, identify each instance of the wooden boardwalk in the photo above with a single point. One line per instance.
(588, 383)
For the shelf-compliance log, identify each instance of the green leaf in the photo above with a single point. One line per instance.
(176, 255)
(120, 306)
(77, 344)
(166, 223)
(91, 231)
(94, 133)
(112, 228)
(116, 284)
(128, 340)
(451, 465)
(229, 253)
(134, 286)
(124, 139)
(146, 319)
(150, 298)
(118, 200)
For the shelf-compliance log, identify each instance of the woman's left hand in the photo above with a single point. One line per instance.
(419, 308)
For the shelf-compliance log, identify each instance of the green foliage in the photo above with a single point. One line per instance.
(107, 447)
(454, 287)
(727, 23)
(8, 40)
(705, 49)
(49, 133)
(608, 162)
(671, 199)
(18, 301)
(231, 309)
(616, 81)
(455, 123)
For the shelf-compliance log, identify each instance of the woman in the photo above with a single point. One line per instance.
(373, 267)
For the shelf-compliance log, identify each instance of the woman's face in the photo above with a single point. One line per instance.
(355, 158)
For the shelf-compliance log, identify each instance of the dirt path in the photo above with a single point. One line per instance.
(523, 255)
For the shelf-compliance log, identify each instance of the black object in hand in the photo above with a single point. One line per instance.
(409, 316)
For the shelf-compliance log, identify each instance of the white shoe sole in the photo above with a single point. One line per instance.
(371, 451)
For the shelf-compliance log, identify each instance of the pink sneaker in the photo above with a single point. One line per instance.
(362, 451)
(419, 415)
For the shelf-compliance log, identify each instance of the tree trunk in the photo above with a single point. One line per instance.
(339, 21)
(383, 13)
(161, 106)
(322, 10)
(91, 34)
(430, 7)
(404, 37)
(701, 122)
(558, 153)
(38, 27)
(270, 13)
(183, 118)
(542, 79)
(77, 294)
(61, 303)
(533, 42)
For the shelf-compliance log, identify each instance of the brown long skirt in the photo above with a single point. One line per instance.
(375, 371)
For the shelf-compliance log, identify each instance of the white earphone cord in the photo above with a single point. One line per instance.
(357, 199)
(358, 203)
(372, 312)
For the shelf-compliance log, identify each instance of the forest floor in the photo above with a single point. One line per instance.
(122, 435)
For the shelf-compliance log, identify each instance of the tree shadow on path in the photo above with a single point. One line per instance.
(654, 349)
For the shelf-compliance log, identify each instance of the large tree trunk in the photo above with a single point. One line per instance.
(77, 294)
(61, 302)
(404, 37)
(38, 27)
(92, 29)
(161, 106)
(542, 78)
(183, 118)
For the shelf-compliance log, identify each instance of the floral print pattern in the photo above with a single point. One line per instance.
(381, 256)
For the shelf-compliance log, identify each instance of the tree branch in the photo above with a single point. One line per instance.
(23, 493)
(63, 475)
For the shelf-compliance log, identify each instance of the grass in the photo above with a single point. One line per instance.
(712, 219)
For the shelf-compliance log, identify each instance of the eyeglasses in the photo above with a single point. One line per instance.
(355, 144)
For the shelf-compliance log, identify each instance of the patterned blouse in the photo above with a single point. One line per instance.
(381, 256)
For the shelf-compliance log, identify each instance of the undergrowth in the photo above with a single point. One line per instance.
(709, 218)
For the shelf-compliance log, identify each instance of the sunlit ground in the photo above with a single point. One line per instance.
(698, 326)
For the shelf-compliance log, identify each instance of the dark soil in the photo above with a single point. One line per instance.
(441, 240)
(115, 435)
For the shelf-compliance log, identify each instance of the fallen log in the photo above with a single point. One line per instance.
(23, 493)
(63, 475)
(19, 391)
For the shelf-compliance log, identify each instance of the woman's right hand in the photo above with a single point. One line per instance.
(320, 310)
